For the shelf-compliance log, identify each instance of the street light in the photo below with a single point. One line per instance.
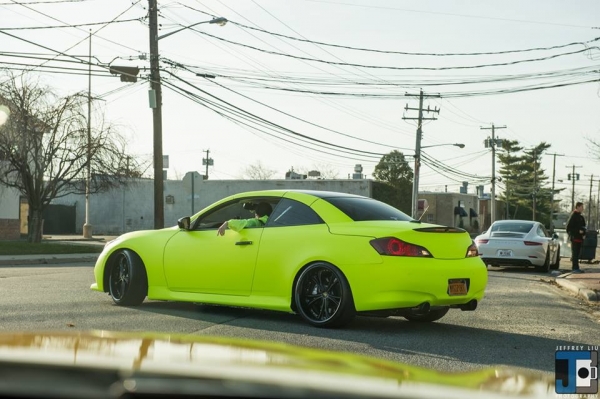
(155, 95)
(219, 21)
(415, 192)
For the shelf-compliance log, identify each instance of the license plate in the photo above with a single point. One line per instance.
(505, 252)
(457, 287)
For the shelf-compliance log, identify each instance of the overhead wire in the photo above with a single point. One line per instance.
(281, 128)
(290, 115)
(73, 25)
(350, 111)
(452, 14)
(207, 103)
(399, 68)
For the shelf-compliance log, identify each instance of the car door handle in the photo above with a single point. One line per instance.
(243, 243)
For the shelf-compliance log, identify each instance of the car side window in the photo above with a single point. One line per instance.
(292, 213)
(214, 218)
(542, 232)
(231, 210)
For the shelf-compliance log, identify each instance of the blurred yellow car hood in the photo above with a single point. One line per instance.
(147, 364)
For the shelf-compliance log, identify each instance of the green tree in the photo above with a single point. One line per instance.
(511, 172)
(396, 176)
(525, 182)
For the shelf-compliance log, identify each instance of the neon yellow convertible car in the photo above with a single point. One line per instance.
(325, 255)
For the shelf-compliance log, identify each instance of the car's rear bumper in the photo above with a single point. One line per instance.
(512, 261)
(409, 282)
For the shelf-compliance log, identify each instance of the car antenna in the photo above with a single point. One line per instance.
(425, 211)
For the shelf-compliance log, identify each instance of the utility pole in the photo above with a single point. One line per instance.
(534, 182)
(420, 119)
(572, 177)
(552, 193)
(492, 143)
(87, 227)
(208, 162)
(590, 200)
(598, 207)
(156, 105)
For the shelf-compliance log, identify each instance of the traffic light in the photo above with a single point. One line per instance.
(128, 74)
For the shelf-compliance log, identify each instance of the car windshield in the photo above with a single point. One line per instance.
(363, 209)
(512, 227)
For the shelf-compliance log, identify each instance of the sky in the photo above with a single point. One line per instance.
(330, 81)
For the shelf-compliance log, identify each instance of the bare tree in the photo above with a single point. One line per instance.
(44, 148)
(258, 171)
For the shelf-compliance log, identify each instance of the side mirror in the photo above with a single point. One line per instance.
(554, 235)
(184, 223)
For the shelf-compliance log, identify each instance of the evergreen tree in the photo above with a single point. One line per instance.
(525, 181)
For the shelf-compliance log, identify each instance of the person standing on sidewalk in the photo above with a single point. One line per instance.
(576, 231)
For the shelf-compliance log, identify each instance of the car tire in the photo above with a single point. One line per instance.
(546, 266)
(429, 316)
(323, 297)
(556, 264)
(127, 279)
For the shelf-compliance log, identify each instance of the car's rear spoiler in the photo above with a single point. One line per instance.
(440, 229)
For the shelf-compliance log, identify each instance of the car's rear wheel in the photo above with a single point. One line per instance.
(556, 264)
(322, 296)
(427, 316)
(127, 279)
(546, 266)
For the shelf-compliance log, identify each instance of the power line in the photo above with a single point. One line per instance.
(16, 3)
(74, 25)
(292, 116)
(396, 68)
(277, 126)
(453, 14)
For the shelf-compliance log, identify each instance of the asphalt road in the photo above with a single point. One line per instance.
(520, 322)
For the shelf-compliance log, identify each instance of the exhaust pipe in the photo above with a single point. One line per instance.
(424, 307)
(471, 305)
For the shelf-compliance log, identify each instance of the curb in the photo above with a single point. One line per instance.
(47, 261)
(587, 294)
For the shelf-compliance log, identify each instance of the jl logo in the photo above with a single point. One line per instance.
(576, 372)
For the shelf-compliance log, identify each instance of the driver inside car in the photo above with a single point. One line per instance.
(261, 215)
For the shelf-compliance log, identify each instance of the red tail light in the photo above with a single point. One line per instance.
(395, 247)
(532, 243)
(482, 241)
(472, 250)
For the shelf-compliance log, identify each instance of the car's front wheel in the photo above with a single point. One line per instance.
(322, 296)
(427, 316)
(127, 279)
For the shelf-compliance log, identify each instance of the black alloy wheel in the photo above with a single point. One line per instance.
(127, 280)
(427, 316)
(322, 296)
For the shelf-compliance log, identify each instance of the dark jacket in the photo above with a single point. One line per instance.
(574, 225)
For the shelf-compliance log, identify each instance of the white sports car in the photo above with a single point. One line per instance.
(519, 243)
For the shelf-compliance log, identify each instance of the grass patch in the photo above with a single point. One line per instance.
(46, 248)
